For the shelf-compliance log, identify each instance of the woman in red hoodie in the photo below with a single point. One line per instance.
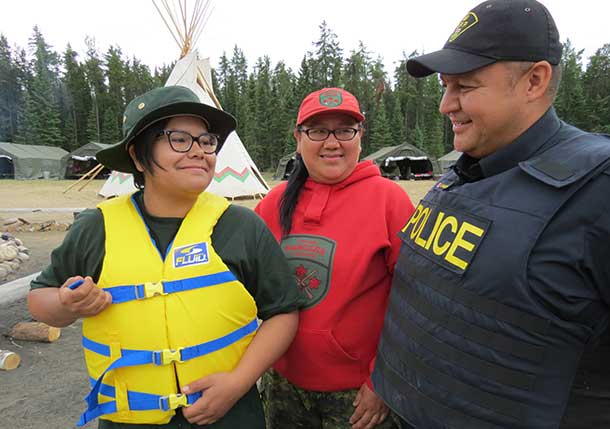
(337, 221)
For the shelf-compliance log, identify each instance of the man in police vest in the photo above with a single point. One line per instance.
(503, 281)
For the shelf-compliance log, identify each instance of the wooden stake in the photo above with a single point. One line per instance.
(96, 169)
(35, 331)
(9, 360)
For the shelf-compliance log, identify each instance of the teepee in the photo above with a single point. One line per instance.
(236, 173)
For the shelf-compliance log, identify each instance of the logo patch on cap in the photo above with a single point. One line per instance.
(331, 99)
(469, 20)
(141, 106)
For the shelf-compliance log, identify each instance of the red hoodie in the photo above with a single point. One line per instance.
(342, 246)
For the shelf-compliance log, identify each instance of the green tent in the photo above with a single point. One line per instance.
(285, 167)
(24, 161)
(448, 160)
(405, 162)
(80, 161)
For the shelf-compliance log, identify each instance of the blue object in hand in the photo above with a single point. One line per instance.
(76, 284)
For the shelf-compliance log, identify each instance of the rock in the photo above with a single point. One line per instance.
(23, 256)
(10, 221)
(3, 273)
(8, 253)
(15, 263)
(23, 249)
(6, 266)
(18, 242)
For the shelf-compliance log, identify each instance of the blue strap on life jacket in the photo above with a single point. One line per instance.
(156, 357)
(138, 401)
(128, 293)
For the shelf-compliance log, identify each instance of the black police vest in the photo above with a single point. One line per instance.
(466, 344)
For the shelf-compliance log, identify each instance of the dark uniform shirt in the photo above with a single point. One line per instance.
(585, 297)
(244, 244)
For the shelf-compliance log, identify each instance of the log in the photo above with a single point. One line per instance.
(9, 360)
(35, 331)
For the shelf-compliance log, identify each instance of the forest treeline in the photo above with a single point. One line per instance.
(67, 99)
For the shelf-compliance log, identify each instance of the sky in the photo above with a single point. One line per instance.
(282, 29)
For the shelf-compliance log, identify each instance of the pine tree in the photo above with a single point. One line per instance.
(11, 94)
(77, 100)
(237, 89)
(596, 89)
(396, 120)
(110, 132)
(41, 121)
(328, 59)
(283, 113)
(305, 81)
(116, 71)
(97, 85)
(380, 132)
(263, 112)
(433, 120)
(570, 101)
(138, 79)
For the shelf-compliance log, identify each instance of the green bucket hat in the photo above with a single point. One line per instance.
(157, 104)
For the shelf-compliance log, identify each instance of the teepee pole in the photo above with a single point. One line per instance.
(201, 81)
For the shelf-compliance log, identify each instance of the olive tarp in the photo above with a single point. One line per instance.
(448, 160)
(80, 161)
(405, 162)
(285, 167)
(24, 161)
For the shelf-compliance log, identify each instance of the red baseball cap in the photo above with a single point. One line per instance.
(329, 100)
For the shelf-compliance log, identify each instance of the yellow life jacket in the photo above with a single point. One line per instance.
(175, 318)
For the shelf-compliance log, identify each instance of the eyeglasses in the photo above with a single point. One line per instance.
(321, 134)
(181, 141)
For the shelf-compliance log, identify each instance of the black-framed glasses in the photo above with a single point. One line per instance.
(181, 141)
(321, 134)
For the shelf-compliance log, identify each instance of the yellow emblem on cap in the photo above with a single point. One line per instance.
(141, 106)
(466, 23)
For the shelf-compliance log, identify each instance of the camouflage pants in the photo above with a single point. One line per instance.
(290, 407)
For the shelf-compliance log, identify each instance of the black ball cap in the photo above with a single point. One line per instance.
(495, 30)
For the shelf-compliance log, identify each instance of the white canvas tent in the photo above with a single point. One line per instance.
(236, 174)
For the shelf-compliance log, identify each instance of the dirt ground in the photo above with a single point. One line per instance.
(47, 389)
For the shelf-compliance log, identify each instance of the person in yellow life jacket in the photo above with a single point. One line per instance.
(172, 282)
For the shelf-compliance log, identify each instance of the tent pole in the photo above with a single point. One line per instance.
(84, 176)
(98, 169)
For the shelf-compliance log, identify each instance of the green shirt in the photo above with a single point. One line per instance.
(242, 241)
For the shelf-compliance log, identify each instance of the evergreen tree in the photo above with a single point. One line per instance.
(328, 59)
(110, 132)
(262, 113)
(93, 124)
(380, 132)
(77, 100)
(237, 89)
(433, 120)
(306, 82)
(138, 79)
(116, 71)
(283, 114)
(570, 101)
(97, 86)
(41, 121)
(596, 88)
(11, 94)
(396, 120)
(221, 76)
